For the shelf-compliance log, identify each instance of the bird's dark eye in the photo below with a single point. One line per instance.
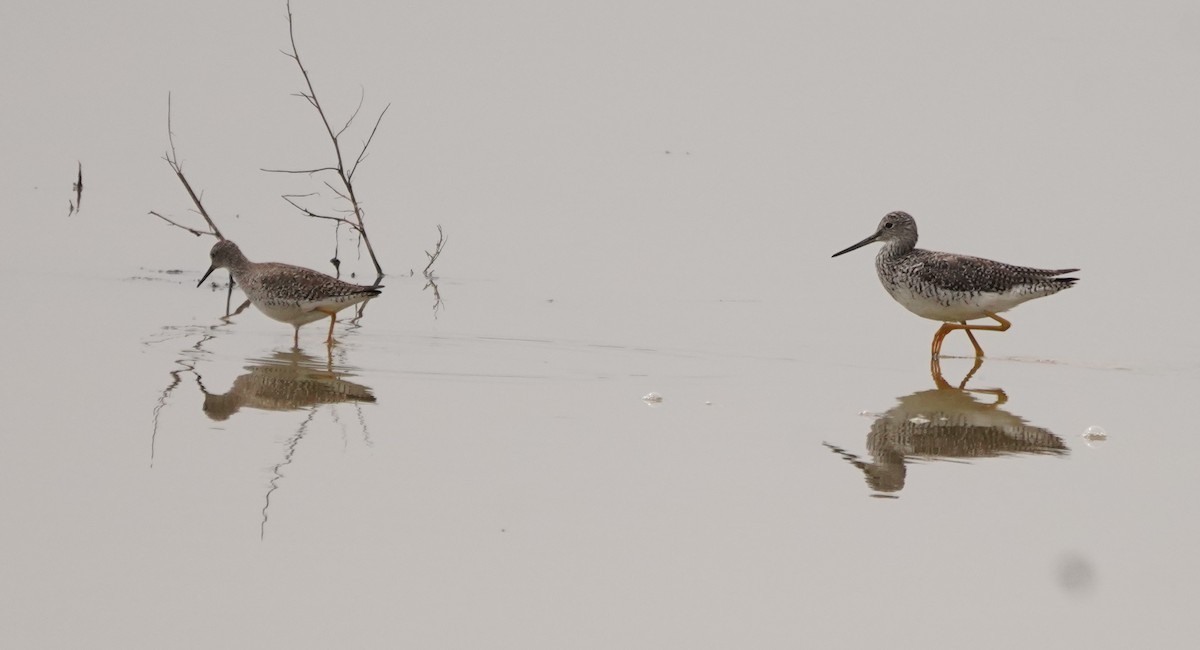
(888, 224)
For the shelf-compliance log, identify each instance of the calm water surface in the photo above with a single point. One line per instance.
(634, 206)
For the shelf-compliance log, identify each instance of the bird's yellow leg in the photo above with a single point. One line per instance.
(936, 349)
(978, 350)
(946, 328)
(332, 321)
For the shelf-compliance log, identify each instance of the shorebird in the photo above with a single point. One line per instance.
(953, 288)
(291, 294)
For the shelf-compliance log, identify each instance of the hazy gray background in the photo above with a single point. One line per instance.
(639, 197)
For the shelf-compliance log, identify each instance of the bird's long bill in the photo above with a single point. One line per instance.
(206, 274)
(860, 244)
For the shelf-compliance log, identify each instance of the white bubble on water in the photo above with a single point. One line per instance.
(1094, 434)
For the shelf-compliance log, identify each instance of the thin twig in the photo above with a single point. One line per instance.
(362, 155)
(340, 195)
(314, 215)
(362, 96)
(299, 171)
(195, 232)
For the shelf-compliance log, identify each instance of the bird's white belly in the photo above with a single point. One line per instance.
(293, 313)
(953, 306)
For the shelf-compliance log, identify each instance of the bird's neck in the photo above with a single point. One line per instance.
(894, 250)
(238, 263)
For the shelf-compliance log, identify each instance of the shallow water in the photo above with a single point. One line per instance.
(638, 200)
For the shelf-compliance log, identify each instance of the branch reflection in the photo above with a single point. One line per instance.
(946, 423)
(286, 382)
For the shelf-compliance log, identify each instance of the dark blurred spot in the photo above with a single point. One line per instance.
(1076, 574)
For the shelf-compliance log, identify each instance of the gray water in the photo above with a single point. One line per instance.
(639, 199)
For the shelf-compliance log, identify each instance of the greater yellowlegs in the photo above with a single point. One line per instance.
(291, 294)
(953, 288)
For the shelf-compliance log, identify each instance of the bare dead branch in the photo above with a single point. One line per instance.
(299, 171)
(172, 159)
(311, 96)
(195, 232)
(309, 213)
(346, 194)
(437, 252)
(340, 220)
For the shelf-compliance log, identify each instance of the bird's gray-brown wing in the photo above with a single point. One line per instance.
(285, 282)
(329, 287)
(977, 275)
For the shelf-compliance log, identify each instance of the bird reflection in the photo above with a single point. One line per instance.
(287, 381)
(945, 423)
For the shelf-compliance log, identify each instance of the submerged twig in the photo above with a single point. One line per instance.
(77, 188)
(430, 279)
(437, 251)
